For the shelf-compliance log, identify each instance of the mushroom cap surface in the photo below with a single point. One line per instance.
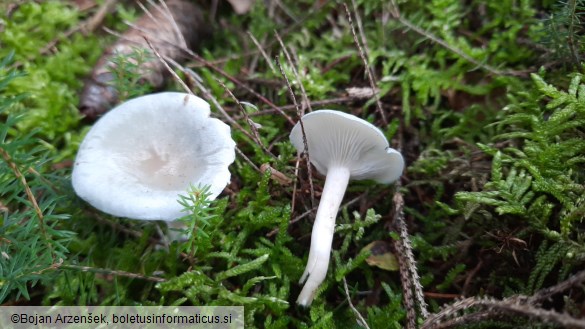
(336, 138)
(137, 159)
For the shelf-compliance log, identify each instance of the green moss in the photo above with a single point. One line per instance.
(493, 190)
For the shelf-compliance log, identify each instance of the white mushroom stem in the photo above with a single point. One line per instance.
(322, 235)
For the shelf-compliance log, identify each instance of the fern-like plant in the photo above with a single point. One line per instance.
(563, 31)
(32, 246)
(537, 177)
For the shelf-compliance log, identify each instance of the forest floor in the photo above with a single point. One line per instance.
(484, 99)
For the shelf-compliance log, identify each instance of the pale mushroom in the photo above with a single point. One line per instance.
(139, 157)
(342, 147)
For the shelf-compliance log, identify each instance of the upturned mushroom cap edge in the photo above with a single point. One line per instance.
(338, 138)
(137, 159)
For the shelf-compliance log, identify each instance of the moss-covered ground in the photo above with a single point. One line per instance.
(485, 100)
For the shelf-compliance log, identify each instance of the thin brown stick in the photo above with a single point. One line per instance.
(51, 267)
(145, 10)
(492, 308)
(338, 100)
(132, 232)
(312, 210)
(239, 83)
(406, 253)
(306, 147)
(164, 9)
(395, 12)
(449, 316)
(112, 272)
(408, 270)
(248, 160)
(255, 135)
(294, 192)
(360, 26)
(546, 293)
(438, 295)
(276, 175)
(451, 310)
(360, 319)
(96, 20)
(196, 79)
(86, 26)
(31, 198)
(463, 320)
(406, 283)
(306, 101)
(369, 72)
(573, 20)
(167, 67)
(262, 52)
(535, 312)
(471, 276)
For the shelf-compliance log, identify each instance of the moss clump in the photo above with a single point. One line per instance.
(493, 191)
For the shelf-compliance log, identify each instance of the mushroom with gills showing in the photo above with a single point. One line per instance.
(342, 147)
(139, 157)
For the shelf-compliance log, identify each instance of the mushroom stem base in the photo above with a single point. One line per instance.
(322, 235)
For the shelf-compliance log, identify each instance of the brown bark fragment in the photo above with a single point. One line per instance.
(182, 25)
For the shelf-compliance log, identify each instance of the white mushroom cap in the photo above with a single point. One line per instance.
(336, 138)
(137, 159)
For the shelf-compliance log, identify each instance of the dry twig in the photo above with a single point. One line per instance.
(413, 292)
(262, 52)
(294, 192)
(306, 101)
(312, 210)
(31, 198)
(491, 308)
(450, 316)
(169, 27)
(195, 79)
(255, 135)
(369, 72)
(299, 111)
(87, 26)
(167, 67)
(239, 83)
(112, 272)
(408, 272)
(360, 319)
(337, 100)
(395, 12)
